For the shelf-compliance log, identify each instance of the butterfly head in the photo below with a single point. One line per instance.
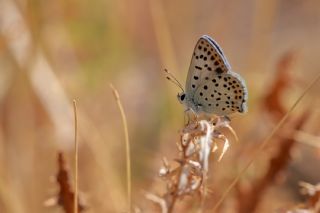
(189, 103)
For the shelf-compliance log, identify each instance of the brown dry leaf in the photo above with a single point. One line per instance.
(65, 196)
(249, 198)
(273, 101)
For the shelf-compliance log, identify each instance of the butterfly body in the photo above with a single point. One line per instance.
(211, 86)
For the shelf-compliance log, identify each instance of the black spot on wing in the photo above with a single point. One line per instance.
(219, 70)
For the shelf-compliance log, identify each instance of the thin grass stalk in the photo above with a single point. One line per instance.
(264, 143)
(75, 201)
(163, 34)
(126, 135)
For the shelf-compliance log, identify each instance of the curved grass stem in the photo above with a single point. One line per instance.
(126, 135)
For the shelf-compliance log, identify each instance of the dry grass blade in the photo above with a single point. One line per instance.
(126, 134)
(9, 198)
(156, 199)
(163, 34)
(307, 139)
(263, 144)
(75, 201)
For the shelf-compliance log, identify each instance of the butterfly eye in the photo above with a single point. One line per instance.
(182, 97)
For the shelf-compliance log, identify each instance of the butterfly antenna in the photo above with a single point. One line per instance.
(173, 79)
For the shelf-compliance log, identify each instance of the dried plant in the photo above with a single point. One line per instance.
(273, 102)
(312, 204)
(197, 141)
(249, 199)
(313, 193)
(65, 197)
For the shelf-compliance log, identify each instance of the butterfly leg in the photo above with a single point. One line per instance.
(186, 117)
(226, 118)
(218, 120)
(192, 116)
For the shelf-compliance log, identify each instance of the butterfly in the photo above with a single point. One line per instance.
(211, 86)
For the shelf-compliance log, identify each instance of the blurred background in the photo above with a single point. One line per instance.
(52, 52)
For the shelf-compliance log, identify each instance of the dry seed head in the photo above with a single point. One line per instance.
(197, 141)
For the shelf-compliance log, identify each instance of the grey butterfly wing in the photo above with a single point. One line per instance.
(210, 83)
(222, 94)
(207, 56)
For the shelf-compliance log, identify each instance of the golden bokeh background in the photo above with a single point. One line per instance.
(52, 52)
